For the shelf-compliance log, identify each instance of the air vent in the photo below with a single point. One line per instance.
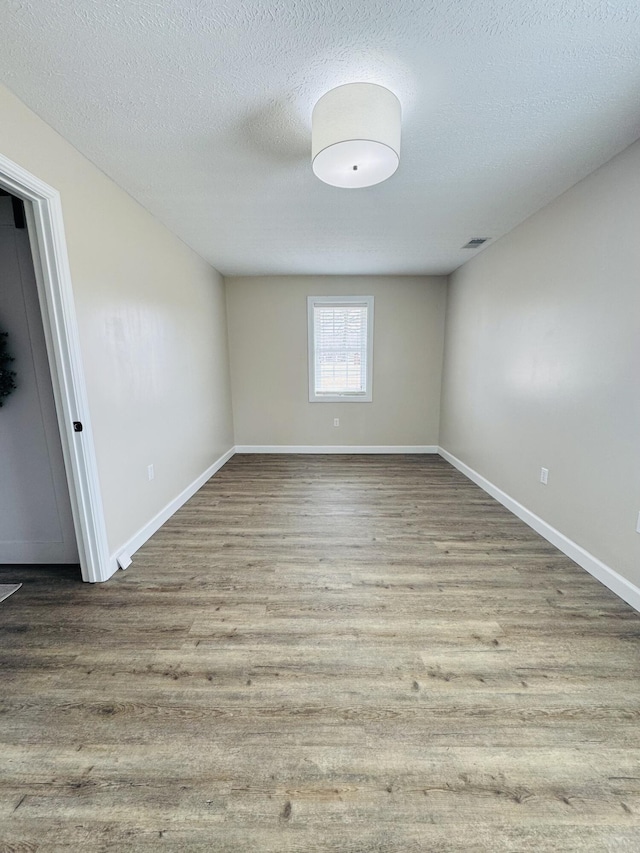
(475, 242)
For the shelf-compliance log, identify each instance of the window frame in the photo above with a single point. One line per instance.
(359, 301)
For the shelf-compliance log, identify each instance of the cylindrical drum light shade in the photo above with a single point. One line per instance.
(356, 135)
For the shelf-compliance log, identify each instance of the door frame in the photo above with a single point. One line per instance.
(45, 223)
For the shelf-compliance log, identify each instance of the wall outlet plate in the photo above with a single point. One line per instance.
(544, 476)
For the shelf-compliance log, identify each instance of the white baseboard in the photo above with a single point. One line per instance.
(122, 556)
(30, 553)
(137, 541)
(605, 574)
(336, 448)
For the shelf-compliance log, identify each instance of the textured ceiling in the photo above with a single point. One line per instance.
(201, 110)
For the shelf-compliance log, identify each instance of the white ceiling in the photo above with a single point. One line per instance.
(201, 109)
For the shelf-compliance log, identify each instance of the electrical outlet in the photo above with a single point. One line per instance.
(150, 472)
(336, 421)
(638, 524)
(544, 476)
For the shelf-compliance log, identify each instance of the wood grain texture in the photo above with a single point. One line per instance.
(323, 653)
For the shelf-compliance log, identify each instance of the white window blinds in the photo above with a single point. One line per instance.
(340, 332)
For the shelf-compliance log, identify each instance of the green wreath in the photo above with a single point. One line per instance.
(7, 384)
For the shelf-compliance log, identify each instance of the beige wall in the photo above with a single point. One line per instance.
(152, 324)
(267, 319)
(541, 364)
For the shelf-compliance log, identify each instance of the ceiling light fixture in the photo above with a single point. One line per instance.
(356, 135)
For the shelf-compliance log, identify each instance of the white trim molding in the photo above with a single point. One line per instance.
(605, 574)
(336, 448)
(126, 551)
(55, 293)
(28, 553)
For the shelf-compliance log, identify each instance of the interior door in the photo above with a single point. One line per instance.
(36, 525)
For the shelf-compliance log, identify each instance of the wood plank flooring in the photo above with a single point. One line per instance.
(363, 654)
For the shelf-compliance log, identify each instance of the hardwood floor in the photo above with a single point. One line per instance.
(360, 654)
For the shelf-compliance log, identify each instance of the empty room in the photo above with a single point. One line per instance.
(320, 426)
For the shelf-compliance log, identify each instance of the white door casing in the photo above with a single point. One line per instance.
(36, 523)
(55, 292)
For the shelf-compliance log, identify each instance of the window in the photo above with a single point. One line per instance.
(340, 348)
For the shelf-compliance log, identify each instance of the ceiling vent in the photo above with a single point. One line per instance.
(475, 242)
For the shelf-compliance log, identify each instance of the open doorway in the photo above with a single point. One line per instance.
(36, 523)
(53, 304)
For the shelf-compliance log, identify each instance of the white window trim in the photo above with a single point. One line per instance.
(312, 301)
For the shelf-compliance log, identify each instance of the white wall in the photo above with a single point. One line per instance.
(541, 364)
(152, 323)
(267, 319)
